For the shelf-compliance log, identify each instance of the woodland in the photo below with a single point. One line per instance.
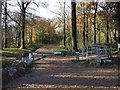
(75, 26)
(88, 23)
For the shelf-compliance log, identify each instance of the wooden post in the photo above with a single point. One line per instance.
(33, 57)
(77, 55)
(83, 53)
(87, 53)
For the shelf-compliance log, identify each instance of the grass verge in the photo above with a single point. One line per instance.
(59, 49)
(8, 55)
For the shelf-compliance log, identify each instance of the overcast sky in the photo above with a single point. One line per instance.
(46, 12)
(53, 8)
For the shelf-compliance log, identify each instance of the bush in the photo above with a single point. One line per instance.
(93, 63)
(35, 46)
(87, 62)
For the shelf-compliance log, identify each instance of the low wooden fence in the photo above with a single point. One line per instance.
(100, 52)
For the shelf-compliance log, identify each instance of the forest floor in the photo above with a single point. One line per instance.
(64, 73)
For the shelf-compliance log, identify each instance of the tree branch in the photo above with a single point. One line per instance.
(35, 3)
(13, 19)
(27, 5)
(19, 5)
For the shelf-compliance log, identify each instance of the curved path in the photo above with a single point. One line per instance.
(56, 72)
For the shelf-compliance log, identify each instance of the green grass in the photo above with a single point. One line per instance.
(6, 61)
(3, 58)
(59, 49)
(16, 49)
(116, 52)
(10, 54)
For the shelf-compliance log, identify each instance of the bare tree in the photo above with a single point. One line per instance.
(5, 21)
(84, 9)
(64, 27)
(96, 4)
(107, 23)
(74, 35)
(23, 6)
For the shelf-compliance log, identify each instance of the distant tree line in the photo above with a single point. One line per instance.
(88, 23)
(96, 23)
(23, 29)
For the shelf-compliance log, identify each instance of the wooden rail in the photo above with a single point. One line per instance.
(99, 51)
(32, 55)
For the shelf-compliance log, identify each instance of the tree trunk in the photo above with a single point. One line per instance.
(99, 37)
(107, 33)
(87, 32)
(18, 36)
(5, 31)
(95, 22)
(118, 9)
(74, 35)
(0, 27)
(115, 37)
(64, 26)
(23, 27)
(31, 34)
(84, 28)
(26, 34)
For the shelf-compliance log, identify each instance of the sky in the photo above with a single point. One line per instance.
(46, 12)
(52, 9)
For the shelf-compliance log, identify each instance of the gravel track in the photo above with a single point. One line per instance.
(63, 73)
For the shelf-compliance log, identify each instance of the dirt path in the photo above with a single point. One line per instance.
(46, 48)
(64, 72)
